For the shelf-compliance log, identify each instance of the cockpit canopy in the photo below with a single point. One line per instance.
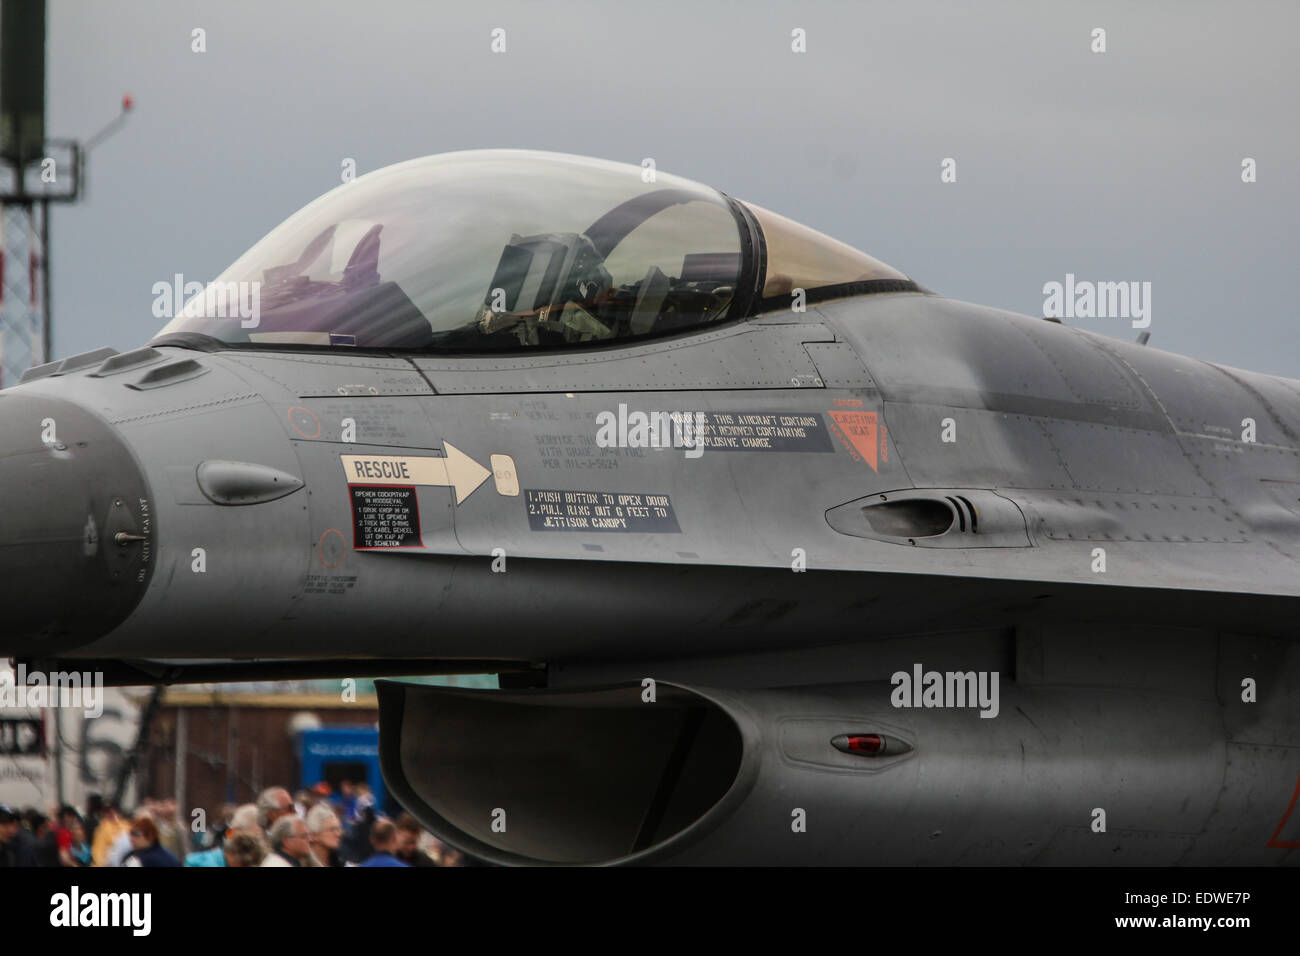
(508, 249)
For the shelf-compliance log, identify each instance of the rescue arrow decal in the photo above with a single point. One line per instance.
(457, 470)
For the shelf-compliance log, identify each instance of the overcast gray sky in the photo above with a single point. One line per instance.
(1123, 165)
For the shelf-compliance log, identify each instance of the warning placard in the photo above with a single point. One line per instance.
(384, 517)
(861, 434)
(599, 511)
(764, 431)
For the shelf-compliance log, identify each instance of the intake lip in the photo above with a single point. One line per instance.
(573, 776)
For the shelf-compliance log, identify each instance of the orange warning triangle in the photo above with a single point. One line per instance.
(859, 430)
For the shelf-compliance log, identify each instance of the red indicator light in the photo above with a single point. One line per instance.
(870, 745)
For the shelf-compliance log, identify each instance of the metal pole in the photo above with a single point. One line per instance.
(182, 755)
(47, 333)
(58, 754)
(232, 752)
(142, 738)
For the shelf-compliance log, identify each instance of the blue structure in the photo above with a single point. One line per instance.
(336, 754)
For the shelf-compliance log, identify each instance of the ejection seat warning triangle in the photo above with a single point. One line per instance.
(861, 433)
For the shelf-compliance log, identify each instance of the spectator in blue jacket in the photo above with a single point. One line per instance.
(383, 838)
(145, 850)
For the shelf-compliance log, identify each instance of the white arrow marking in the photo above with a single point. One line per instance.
(457, 470)
(462, 472)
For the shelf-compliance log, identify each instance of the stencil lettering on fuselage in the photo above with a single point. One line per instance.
(599, 511)
(764, 431)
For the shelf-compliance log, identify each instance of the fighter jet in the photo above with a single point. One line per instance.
(781, 557)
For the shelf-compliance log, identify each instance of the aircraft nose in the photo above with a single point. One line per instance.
(75, 526)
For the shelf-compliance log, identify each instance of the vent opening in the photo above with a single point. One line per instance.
(915, 518)
(961, 515)
(974, 518)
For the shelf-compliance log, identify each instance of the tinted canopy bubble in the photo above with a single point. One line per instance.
(507, 249)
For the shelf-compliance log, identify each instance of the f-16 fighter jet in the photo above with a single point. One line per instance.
(781, 557)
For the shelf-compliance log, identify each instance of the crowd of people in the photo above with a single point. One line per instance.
(317, 827)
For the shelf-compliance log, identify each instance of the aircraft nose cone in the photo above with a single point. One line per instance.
(75, 526)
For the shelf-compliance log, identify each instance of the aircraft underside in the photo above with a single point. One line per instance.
(1047, 746)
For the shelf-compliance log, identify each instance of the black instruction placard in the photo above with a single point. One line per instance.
(384, 516)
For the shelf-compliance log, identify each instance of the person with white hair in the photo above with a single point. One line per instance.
(326, 834)
(272, 804)
(290, 844)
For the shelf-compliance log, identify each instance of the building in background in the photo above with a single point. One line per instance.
(51, 755)
(224, 743)
(203, 744)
